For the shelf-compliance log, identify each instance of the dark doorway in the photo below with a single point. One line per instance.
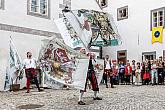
(122, 56)
(148, 55)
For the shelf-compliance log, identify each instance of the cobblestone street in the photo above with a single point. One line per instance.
(120, 98)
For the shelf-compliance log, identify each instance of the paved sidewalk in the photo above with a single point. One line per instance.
(123, 97)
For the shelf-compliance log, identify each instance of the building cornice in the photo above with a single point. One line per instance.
(25, 30)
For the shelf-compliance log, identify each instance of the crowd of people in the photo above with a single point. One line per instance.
(135, 73)
(30, 65)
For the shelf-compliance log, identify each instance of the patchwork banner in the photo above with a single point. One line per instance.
(14, 71)
(92, 27)
(61, 65)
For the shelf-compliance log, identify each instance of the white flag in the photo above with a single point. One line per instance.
(68, 33)
(93, 27)
(14, 73)
(81, 27)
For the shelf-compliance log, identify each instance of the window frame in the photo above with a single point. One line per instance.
(157, 18)
(121, 9)
(63, 5)
(106, 4)
(2, 5)
(67, 3)
(99, 2)
(38, 13)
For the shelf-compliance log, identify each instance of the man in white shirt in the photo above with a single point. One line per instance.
(29, 65)
(108, 71)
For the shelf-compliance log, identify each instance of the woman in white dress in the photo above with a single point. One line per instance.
(138, 74)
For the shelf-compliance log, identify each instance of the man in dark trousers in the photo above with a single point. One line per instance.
(133, 71)
(92, 78)
(108, 71)
(30, 69)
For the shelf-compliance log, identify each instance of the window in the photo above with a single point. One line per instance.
(102, 3)
(122, 13)
(39, 8)
(67, 3)
(43, 7)
(122, 56)
(148, 55)
(63, 5)
(157, 17)
(1, 4)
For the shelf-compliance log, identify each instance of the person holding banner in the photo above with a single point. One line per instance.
(29, 65)
(91, 77)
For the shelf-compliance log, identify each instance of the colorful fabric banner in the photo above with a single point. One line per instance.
(68, 33)
(80, 32)
(157, 34)
(61, 65)
(92, 27)
(14, 73)
(99, 69)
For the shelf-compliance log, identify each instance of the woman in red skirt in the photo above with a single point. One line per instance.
(146, 76)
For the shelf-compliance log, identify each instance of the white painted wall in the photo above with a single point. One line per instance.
(85, 4)
(23, 43)
(15, 13)
(137, 24)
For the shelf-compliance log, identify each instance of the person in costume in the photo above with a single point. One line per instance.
(115, 70)
(142, 71)
(108, 71)
(121, 72)
(146, 76)
(128, 73)
(154, 72)
(138, 74)
(30, 65)
(133, 71)
(91, 77)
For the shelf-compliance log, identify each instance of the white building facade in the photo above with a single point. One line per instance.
(29, 22)
(134, 20)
